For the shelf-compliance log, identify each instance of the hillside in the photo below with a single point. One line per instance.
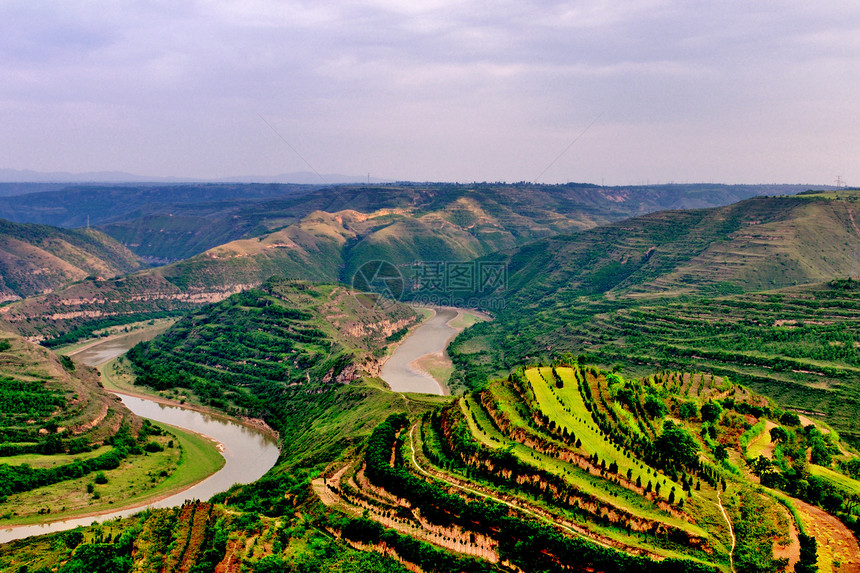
(798, 345)
(165, 223)
(68, 448)
(521, 211)
(285, 352)
(760, 243)
(560, 287)
(417, 227)
(35, 259)
(72, 205)
(599, 472)
(48, 395)
(556, 468)
(300, 355)
(310, 249)
(550, 468)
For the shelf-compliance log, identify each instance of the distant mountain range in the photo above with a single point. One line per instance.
(301, 177)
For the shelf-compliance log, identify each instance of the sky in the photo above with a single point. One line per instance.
(597, 91)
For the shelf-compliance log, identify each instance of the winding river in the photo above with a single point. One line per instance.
(401, 371)
(248, 453)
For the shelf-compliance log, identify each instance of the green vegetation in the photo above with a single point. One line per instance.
(37, 258)
(282, 353)
(67, 448)
(318, 234)
(632, 440)
(692, 290)
(48, 404)
(142, 473)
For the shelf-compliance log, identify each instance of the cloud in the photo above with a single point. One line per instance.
(433, 90)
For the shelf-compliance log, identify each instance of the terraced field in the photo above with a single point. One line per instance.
(601, 473)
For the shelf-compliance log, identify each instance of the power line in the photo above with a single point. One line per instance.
(293, 148)
(568, 147)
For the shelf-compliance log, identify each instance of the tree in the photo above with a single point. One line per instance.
(270, 564)
(820, 454)
(711, 412)
(73, 538)
(778, 435)
(676, 443)
(655, 407)
(97, 558)
(688, 410)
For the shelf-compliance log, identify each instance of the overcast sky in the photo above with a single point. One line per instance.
(618, 92)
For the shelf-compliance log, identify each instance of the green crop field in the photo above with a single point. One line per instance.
(565, 407)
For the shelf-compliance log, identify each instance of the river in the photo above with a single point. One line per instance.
(248, 453)
(401, 372)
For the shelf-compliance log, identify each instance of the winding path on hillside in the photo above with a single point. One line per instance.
(731, 529)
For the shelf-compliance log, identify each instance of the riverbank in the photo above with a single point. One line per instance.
(420, 362)
(215, 452)
(198, 457)
(115, 379)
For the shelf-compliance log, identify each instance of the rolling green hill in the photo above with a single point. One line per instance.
(756, 244)
(285, 352)
(35, 259)
(656, 292)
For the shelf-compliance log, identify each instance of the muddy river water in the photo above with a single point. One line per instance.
(400, 371)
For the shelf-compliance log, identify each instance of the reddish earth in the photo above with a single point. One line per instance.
(836, 543)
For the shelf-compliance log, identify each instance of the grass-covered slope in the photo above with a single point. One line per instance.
(760, 243)
(693, 288)
(36, 258)
(570, 468)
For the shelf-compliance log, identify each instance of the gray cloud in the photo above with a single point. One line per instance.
(721, 91)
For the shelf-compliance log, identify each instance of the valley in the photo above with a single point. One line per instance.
(420, 363)
(633, 389)
(211, 454)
